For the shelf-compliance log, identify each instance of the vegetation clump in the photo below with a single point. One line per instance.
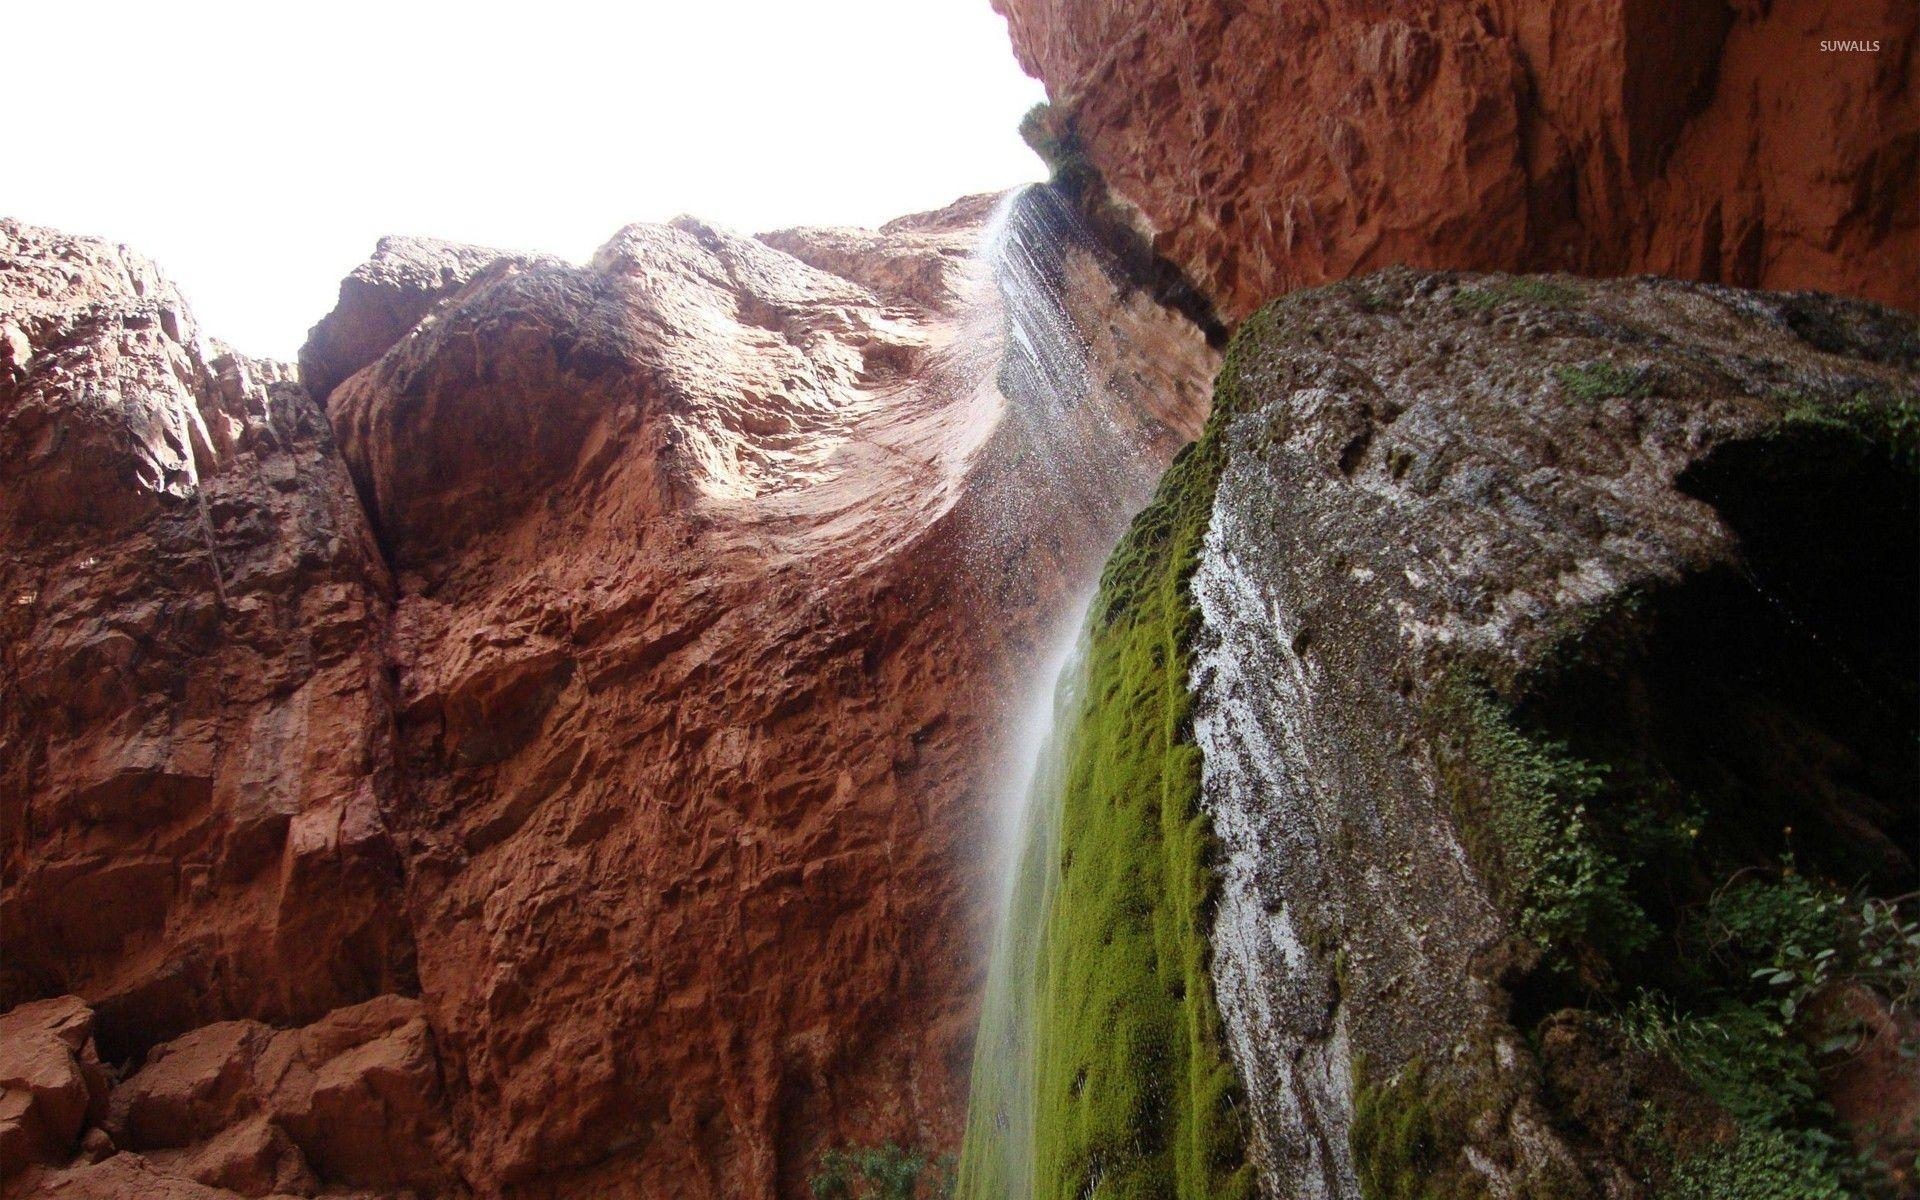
(1411, 1130)
(884, 1172)
(1747, 1026)
(1601, 381)
(1521, 803)
(1051, 136)
(1601, 866)
(1533, 290)
(1764, 1165)
(1891, 424)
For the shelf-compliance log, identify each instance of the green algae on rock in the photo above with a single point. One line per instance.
(1110, 1076)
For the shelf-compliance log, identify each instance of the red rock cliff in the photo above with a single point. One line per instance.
(1275, 146)
(560, 770)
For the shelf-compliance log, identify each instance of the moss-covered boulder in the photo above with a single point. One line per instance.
(1493, 772)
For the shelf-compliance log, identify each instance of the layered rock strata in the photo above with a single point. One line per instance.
(198, 716)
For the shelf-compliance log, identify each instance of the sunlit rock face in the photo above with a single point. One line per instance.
(699, 658)
(1274, 146)
(639, 654)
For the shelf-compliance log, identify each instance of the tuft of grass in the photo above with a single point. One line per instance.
(1541, 293)
(1132, 1093)
(1601, 381)
(885, 1172)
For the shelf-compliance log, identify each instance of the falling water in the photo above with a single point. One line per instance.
(1078, 453)
(1083, 457)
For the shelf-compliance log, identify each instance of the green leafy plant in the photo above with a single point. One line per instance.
(1522, 804)
(1753, 1037)
(1758, 1165)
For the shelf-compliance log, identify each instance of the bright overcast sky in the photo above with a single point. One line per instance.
(257, 150)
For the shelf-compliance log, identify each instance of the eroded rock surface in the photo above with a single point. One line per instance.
(197, 714)
(51, 1082)
(562, 770)
(239, 1108)
(1275, 146)
(1669, 524)
(697, 645)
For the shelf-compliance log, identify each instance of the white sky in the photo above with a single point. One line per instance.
(257, 150)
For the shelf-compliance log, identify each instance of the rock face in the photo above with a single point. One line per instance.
(688, 736)
(1276, 146)
(559, 769)
(198, 715)
(1553, 685)
(51, 1082)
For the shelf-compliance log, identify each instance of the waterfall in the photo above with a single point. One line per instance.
(1085, 452)
(998, 1161)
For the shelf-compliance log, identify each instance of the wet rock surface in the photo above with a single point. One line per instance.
(1277, 146)
(1531, 483)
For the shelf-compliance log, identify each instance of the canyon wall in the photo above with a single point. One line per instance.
(546, 753)
(1274, 146)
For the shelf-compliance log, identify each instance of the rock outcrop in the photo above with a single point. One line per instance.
(198, 715)
(52, 1083)
(1271, 147)
(1552, 681)
(559, 770)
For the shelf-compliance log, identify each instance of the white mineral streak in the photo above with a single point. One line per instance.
(1285, 1029)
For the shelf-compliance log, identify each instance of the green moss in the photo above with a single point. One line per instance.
(1132, 1093)
(1411, 1130)
(1543, 293)
(1521, 805)
(1601, 380)
(1408, 1132)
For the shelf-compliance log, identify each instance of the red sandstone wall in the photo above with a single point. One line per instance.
(1279, 145)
